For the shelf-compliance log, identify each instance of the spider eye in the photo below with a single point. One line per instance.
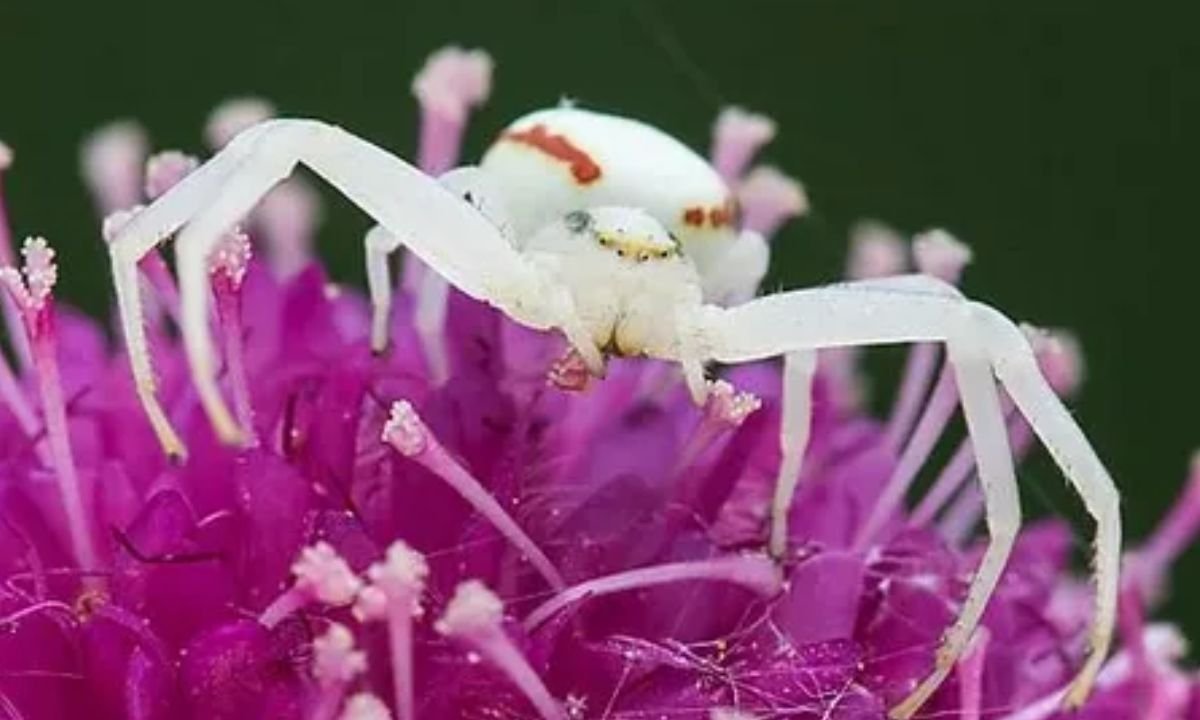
(578, 221)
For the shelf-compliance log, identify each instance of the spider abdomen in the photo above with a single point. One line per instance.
(552, 162)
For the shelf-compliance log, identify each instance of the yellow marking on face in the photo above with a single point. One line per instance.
(638, 248)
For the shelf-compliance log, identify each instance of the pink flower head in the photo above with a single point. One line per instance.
(487, 541)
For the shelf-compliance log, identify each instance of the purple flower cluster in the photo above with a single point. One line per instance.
(446, 534)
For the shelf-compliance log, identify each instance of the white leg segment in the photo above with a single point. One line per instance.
(447, 234)
(798, 371)
(989, 438)
(921, 309)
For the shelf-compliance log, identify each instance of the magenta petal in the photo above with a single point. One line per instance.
(822, 602)
(147, 689)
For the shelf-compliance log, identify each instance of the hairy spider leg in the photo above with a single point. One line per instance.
(983, 346)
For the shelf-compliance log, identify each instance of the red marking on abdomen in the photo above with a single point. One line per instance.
(583, 168)
(723, 215)
(717, 216)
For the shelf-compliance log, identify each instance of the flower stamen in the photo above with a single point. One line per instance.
(408, 434)
(394, 595)
(725, 409)
(164, 170)
(227, 268)
(451, 83)
(753, 572)
(287, 219)
(112, 162)
(321, 576)
(474, 616)
(32, 293)
(233, 116)
(336, 663)
(737, 136)
(569, 373)
(448, 86)
(768, 198)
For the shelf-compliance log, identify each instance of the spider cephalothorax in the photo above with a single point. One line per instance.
(623, 239)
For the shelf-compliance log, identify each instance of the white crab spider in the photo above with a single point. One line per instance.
(620, 237)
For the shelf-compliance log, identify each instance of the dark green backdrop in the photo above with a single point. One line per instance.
(1058, 138)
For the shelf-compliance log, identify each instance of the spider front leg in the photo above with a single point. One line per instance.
(983, 345)
(448, 235)
(140, 236)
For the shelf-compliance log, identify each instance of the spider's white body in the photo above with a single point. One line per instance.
(603, 228)
(626, 217)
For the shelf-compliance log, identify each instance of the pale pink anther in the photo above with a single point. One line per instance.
(453, 81)
(365, 706)
(400, 579)
(876, 251)
(725, 409)
(407, 433)
(737, 136)
(448, 86)
(287, 220)
(112, 161)
(336, 660)
(231, 257)
(768, 198)
(394, 596)
(727, 406)
(227, 265)
(570, 372)
(31, 288)
(233, 116)
(939, 254)
(31, 293)
(164, 170)
(756, 573)
(473, 616)
(1059, 356)
(335, 664)
(322, 576)
(6, 156)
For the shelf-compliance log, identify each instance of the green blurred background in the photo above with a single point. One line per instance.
(1058, 138)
